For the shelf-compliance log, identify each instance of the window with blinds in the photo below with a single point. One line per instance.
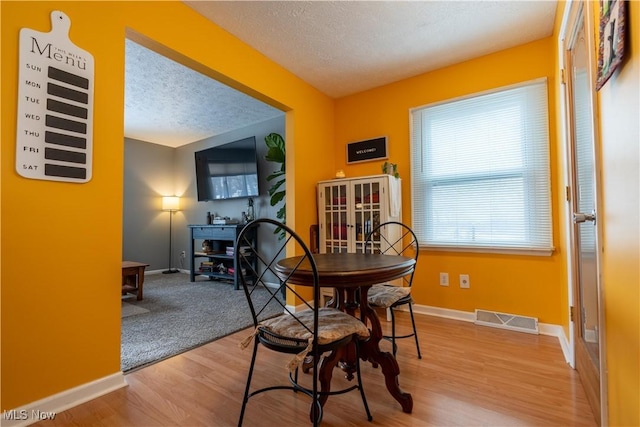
(480, 171)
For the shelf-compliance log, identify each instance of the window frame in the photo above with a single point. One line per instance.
(423, 184)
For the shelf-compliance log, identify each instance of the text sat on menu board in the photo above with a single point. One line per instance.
(54, 138)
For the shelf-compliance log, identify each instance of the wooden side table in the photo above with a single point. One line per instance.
(133, 278)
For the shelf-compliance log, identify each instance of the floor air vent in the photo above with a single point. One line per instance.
(507, 321)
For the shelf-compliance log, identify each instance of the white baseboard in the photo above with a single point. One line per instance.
(447, 313)
(467, 316)
(50, 406)
(558, 331)
(152, 272)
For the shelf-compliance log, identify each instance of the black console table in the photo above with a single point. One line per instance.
(219, 260)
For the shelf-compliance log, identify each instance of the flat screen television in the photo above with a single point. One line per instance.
(228, 171)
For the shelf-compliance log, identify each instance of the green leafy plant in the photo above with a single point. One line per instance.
(276, 154)
(391, 169)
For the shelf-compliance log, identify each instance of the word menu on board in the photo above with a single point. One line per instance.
(54, 138)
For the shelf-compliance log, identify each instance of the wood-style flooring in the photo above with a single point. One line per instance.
(469, 376)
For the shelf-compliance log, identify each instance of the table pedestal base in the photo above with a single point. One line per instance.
(350, 302)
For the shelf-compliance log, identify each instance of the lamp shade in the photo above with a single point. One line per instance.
(171, 203)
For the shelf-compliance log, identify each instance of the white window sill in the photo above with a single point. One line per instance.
(487, 249)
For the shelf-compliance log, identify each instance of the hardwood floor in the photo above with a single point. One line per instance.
(469, 375)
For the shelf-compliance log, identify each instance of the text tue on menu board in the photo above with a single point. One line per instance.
(54, 138)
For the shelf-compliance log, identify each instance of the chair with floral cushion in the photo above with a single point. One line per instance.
(394, 238)
(306, 331)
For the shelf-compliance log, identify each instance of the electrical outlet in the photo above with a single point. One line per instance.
(183, 254)
(444, 279)
(464, 281)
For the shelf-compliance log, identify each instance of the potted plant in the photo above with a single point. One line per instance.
(391, 169)
(276, 154)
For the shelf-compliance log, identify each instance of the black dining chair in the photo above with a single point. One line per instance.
(394, 238)
(306, 331)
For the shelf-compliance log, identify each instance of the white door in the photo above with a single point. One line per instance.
(583, 196)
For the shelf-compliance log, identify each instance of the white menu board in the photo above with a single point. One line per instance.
(54, 138)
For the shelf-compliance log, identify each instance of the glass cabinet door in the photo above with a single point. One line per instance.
(336, 231)
(366, 210)
(350, 209)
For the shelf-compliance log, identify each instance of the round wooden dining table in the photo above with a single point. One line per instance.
(351, 275)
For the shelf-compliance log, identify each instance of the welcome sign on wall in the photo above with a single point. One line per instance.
(55, 105)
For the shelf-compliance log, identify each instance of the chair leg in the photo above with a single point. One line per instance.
(316, 412)
(364, 398)
(316, 406)
(245, 399)
(295, 376)
(415, 332)
(393, 331)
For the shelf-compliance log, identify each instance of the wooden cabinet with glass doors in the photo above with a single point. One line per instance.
(349, 208)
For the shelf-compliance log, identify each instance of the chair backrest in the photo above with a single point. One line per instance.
(256, 260)
(393, 238)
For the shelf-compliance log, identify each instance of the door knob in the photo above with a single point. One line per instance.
(583, 217)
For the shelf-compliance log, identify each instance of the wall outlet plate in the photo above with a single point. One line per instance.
(464, 281)
(444, 279)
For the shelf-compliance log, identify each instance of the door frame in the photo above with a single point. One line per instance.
(572, 9)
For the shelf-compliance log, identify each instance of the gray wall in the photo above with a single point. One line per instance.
(148, 175)
(152, 171)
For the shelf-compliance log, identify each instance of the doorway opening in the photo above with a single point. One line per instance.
(159, 160)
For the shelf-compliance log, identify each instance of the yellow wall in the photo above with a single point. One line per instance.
(61, 242)
(531, 285)
(619, 108)
(526, 285)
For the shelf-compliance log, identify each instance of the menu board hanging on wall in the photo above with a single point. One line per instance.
(55, 105)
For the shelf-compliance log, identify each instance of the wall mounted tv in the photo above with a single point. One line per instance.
(228, 171)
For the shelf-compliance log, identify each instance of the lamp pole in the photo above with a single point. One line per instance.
(171, 204)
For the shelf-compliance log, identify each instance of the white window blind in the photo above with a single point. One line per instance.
(480, 171)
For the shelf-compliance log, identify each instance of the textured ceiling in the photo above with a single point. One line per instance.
(344, 47)
(339, 47)
(169, 104)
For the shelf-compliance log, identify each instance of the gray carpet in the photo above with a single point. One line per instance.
(181, 316)
(131, 310)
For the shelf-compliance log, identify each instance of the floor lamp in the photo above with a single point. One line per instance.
(171, 204)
